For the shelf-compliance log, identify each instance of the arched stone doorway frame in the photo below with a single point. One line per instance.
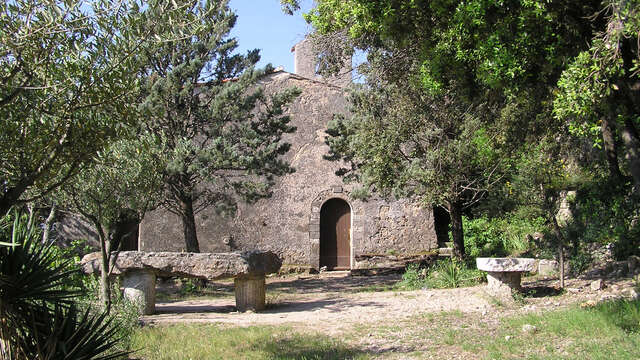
(357, 228)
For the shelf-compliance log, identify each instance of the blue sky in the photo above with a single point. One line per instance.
(262, 25)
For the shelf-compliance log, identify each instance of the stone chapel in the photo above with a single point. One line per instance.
(311, 221)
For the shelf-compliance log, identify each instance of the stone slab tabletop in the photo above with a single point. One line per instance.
(506, 264)
(210, 266)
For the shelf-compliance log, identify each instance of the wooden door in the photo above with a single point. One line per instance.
(335, 235)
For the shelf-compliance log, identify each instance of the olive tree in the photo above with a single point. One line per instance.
(66, 67)
(122, 179)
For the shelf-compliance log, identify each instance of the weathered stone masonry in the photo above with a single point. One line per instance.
(288, 223)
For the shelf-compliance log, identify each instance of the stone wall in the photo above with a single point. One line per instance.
(69, 227)
(288, 222)
(305, 65)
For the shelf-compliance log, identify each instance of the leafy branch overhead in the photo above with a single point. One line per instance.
(65, 68)
(457, 91)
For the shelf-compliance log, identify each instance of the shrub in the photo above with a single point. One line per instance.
(604, 213)
(484, 237)
(413, 278)
(452, 274)
(580, 262)
(40, 317)
(444, 274)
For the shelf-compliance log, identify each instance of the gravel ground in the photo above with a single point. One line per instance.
(333, 303)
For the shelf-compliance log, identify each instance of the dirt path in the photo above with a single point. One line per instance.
(334, 302)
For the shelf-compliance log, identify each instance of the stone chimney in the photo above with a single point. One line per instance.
(305, 65)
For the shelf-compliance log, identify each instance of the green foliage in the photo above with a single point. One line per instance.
(124, 314)
(437, 119)
(122, 178)
(289, 6)
(69, 255)
(73, 334)
(486, 237)
(413, 278)
(493, 44)
(452, 274)
(122, 181)
(69, 74)
(444, 274)
(603, 213)
(593, 82)
(399, 148)
(598, 93)
(222, 134)
(40, 318)
(518, 297)
(621, 313)
(580, 262)
(189, 287)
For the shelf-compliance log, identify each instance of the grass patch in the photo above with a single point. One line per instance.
(196, 341)
(608, 331)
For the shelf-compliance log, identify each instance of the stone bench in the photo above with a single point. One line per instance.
(504, 274)
(139, 269)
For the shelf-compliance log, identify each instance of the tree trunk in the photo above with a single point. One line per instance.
(561, 262)
(105, 251)
(48, 223)
(632, 143)
(12, 196)
(189, 225)
(610, 148)
(455, 212)
(558, 233)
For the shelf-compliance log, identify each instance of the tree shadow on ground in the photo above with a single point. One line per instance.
(308, 347)
(214, 306)
(541, 291)
(179, 308)
(334, 283)
(334, 305)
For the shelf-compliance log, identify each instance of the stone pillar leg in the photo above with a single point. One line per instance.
(140, 288)
(250, 293)
(503, 283)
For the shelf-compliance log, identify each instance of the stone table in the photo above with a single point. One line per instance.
(139, 269)
(504, 274)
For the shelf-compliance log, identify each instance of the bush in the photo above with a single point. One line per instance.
(604, 213)
(444, 274)
(413, 278)
(580, 262)
(486, 237)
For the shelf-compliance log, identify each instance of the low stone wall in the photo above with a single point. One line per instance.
(390, 261)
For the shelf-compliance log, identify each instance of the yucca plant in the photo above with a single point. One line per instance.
(39, 318)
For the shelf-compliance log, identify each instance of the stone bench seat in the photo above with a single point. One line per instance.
(139, 269)
(504, 274)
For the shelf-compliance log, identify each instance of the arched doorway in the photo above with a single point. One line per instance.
(335, 235)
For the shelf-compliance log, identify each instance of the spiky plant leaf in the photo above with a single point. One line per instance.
(38, 316)
(72, 334)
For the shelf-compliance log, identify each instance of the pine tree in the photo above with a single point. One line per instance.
(222, 134)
